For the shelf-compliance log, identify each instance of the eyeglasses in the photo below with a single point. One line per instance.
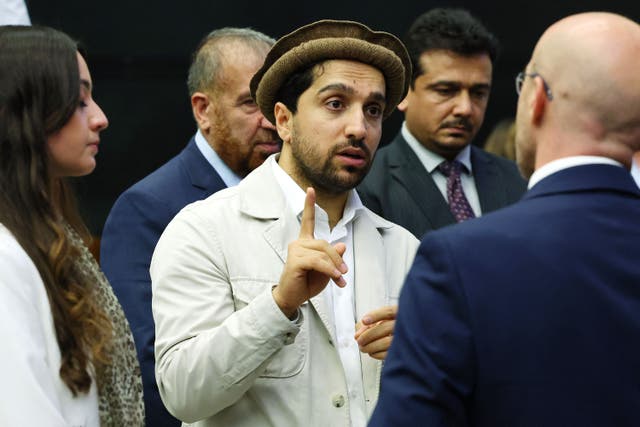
(520, 80)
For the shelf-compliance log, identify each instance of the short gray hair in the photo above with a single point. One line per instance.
(208, 56)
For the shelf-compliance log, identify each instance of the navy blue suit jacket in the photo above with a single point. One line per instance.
(528, 316)
(130, 234)
(399, 188)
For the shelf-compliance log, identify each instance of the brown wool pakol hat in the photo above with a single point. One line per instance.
(332, 39)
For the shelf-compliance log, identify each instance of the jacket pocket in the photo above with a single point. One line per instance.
(290, 359)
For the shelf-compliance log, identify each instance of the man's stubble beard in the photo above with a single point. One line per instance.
(324, 175)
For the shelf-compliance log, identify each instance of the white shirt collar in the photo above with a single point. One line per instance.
(428, 158)
(295, 196)
(635, 172)
(228, 176)
(565, 163)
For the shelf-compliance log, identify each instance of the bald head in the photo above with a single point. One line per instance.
(590, 63)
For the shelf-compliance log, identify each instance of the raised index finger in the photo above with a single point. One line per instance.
(308, 221)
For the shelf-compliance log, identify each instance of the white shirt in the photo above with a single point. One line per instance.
(635, 172)
(228, 176)
(431, 161)
(14, 12)
(341, 300)
(567, 162)
(32, 392)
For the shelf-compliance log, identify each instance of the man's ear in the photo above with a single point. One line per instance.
(403, 104)
(283, 121)
(539, 102)
(200, 106)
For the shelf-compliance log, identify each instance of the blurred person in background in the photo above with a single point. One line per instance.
(502, 140)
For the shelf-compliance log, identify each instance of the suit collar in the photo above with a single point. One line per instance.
(567, 162)
(407, 169)
(592, 177)
(201, 174)
(229, 177)
(260, 194)
(488, 179)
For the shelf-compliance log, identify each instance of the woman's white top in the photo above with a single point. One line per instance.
(31, 391)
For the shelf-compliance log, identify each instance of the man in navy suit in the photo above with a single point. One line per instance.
(452, 55)
(530, 316)
(233, 138)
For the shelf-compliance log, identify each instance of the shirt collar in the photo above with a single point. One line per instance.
(567, 162)
(635, 172)
(229, 177)
(428, 158)
(295, 196)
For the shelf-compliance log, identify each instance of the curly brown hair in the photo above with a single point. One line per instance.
(39, 92)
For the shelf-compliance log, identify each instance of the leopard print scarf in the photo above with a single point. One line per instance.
(120, 383)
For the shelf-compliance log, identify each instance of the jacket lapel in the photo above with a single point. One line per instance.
(407, 169)
(489, 185)
(370, 290)
(201, 174)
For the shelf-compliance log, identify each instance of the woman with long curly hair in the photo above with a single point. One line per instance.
(67, 356)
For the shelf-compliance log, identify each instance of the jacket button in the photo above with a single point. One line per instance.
(338, 400)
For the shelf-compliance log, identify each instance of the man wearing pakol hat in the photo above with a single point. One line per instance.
(249, 329)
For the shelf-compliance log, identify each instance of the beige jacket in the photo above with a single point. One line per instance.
(225, 353)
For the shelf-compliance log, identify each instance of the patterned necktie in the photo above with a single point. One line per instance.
(458, 203)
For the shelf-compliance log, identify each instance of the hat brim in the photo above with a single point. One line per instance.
(332, 40)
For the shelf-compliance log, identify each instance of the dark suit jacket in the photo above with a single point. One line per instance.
(529, 316)
(130, 234)
(399, 188)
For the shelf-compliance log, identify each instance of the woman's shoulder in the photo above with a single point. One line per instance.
(15, 264)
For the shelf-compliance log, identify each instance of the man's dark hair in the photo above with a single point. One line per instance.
(448, 29)
(296, 84)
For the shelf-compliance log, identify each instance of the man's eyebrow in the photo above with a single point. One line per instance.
(376, 96)
(445, 83)
(244, 96)
(379, 96)
(481, 86)
(86, 84)
(453, 83)
(336, 86)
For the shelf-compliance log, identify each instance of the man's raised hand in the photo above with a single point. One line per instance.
(310, 264)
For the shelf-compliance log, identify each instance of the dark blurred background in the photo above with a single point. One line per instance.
(139, 53)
